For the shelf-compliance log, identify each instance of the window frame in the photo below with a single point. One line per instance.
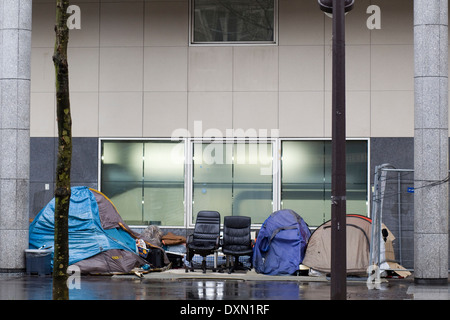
(189, 164)
(180, 140)
(192, 41)
(368, 187)
(275, 167)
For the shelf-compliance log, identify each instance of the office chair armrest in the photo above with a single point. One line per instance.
(218, 242)
(189, 239)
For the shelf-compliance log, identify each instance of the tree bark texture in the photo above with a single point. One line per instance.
(62, 191)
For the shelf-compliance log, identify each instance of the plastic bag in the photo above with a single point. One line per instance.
(141, 248)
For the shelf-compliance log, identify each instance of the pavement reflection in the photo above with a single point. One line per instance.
(23, 287)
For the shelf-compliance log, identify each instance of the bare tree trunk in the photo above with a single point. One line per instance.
(62, 191)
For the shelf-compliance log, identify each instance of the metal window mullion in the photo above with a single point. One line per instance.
(188, 181)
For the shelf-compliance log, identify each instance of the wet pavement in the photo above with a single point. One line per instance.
(175, 295)
(177, 285)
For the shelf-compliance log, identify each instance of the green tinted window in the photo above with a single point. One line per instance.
(306, 179)
(234, 179)
(145, 181)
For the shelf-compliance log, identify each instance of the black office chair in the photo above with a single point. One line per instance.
(205, 239)
(237, 240)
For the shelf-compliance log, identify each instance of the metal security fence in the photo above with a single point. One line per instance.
(393, 206)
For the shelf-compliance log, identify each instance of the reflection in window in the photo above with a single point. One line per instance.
(145, 180)
(234, 179)
(306, 179)
(233, 21)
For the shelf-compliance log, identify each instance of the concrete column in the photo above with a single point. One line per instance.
(431, 141)
(15, 59)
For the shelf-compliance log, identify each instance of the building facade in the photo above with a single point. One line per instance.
(180, 106)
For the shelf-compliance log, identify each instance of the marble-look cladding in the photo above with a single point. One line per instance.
(431, 139)
(43, 151)
(15, 77)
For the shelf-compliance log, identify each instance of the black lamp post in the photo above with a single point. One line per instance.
(338, 8)
(327, 5)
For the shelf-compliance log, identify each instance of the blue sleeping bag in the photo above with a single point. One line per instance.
(281, 243)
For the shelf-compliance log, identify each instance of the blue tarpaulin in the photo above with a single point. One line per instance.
(86, 235)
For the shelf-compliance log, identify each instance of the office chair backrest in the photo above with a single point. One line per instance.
(207, 227)
(236, 233)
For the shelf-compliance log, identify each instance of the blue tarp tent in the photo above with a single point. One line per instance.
(281, 243)
(95, 226)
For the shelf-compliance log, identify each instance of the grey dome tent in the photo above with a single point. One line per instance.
(318, 250)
